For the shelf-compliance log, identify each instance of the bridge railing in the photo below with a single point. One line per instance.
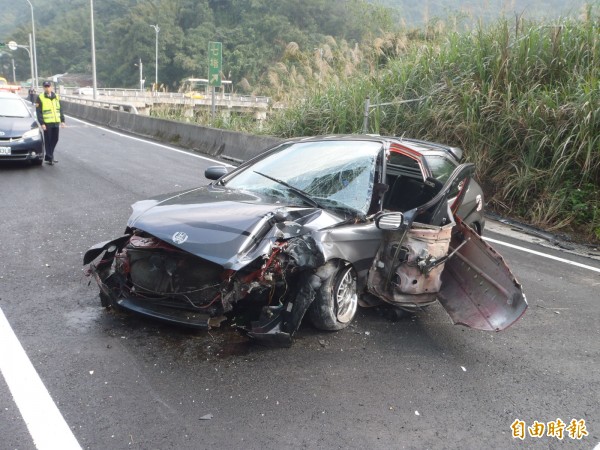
(117, 106)
(150, 96)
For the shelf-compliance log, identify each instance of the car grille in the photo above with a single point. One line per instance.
(9, 139)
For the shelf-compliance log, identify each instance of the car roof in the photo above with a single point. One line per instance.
(424, 148)
(6, 94)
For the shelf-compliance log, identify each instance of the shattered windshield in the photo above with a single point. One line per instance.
(337, 174)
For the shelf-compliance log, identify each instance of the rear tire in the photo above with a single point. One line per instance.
(476, 227)
(336, 300)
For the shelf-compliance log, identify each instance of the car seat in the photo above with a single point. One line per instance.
(406, 193)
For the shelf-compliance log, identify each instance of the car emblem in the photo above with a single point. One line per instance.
(2, 133)
(180, 237)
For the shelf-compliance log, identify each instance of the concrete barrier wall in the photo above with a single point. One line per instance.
(231, 146)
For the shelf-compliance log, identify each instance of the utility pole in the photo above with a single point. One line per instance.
(141, 76)
(33, 49)
(94, 83)
(157, 29)
(31, 61)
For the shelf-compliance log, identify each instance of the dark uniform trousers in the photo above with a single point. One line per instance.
(51, 138)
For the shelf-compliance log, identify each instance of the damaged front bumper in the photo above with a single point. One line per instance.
(267, 299)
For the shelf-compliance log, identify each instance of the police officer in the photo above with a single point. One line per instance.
(51, 118)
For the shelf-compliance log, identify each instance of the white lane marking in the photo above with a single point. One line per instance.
(152, 143)
(41, 415)
(544, 255)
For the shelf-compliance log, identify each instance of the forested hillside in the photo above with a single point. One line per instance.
(254, 34)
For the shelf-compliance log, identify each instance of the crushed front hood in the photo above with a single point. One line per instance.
(219, 224)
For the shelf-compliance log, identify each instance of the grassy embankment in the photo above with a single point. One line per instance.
(522, 100)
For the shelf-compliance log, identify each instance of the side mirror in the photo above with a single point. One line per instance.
(392, 221)
(215, 172)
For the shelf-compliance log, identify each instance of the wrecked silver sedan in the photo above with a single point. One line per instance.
(309, 228)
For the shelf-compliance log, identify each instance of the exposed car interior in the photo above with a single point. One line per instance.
(407, 189)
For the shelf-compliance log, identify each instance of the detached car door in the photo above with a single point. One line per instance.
(430, 253)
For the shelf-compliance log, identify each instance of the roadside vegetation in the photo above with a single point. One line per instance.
(521, 97)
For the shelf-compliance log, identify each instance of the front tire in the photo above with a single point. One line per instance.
(336, 300)
(105, 300)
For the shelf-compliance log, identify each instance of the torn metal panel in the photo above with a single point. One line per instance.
(479, 290)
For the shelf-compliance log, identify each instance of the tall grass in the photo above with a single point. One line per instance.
(522, 99)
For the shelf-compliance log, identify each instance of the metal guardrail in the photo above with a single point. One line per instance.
(369, 105)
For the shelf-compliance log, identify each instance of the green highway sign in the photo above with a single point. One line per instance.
(215, 62)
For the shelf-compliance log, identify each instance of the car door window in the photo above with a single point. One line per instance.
(441, 168)
(404, 163)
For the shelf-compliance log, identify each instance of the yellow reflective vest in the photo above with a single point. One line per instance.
(50, 108)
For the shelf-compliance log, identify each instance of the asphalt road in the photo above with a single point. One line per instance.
(122, 382)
